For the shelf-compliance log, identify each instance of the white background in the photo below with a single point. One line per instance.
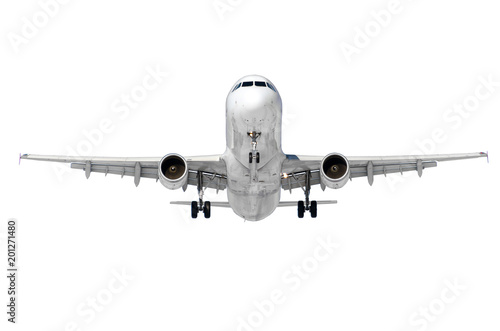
(399, 241)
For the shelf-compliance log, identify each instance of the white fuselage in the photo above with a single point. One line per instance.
(253, 188)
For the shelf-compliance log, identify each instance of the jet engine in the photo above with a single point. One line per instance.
(334, 170)
(173, 171)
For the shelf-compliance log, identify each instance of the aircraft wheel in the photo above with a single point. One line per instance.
(250, 158)
(314, 209)
(258, 157)
(194, 209)
(301, 209)
(207, 209)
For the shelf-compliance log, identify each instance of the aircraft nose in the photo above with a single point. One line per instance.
(255, 109)
(253, 102)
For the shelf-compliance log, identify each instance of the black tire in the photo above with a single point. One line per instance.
(207, 209)
(258, 157)
(250, 158)
(301, 209)
(194, 209)
(314, 209)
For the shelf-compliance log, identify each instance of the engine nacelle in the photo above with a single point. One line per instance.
(173, 171)
(334, 170)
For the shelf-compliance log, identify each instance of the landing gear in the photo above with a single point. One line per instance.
(251, 157)
(254, 155)
(300, 209)
(194, 209)
(313, 209)
(206, 209)
(311, 206)
(197, 206)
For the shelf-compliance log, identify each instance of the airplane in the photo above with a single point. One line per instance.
(254, 168)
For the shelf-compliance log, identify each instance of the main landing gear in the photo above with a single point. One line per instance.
(200, 206)
(311, 206)
(195, 209)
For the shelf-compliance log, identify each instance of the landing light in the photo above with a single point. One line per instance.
(254, 134)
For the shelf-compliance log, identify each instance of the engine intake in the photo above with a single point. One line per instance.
(173, 171)
(334, 170)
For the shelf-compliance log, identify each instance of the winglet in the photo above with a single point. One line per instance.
(487, 156)
(22, 156)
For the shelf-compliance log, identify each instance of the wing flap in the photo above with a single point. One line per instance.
(362, 171)
(146, 172)
(298, 179)
(210, 180)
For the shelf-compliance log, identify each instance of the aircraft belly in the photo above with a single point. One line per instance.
(253, 198)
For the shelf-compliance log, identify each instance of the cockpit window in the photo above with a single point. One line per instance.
(236, 87)
(272, 87)
(256, 83)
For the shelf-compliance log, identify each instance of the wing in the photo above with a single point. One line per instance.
(212, 167)
(295, 166)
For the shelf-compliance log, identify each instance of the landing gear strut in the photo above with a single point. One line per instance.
(311, 206)
(200, 206)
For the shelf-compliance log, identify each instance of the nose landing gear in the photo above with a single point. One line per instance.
(254, 154)
(251, 157)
